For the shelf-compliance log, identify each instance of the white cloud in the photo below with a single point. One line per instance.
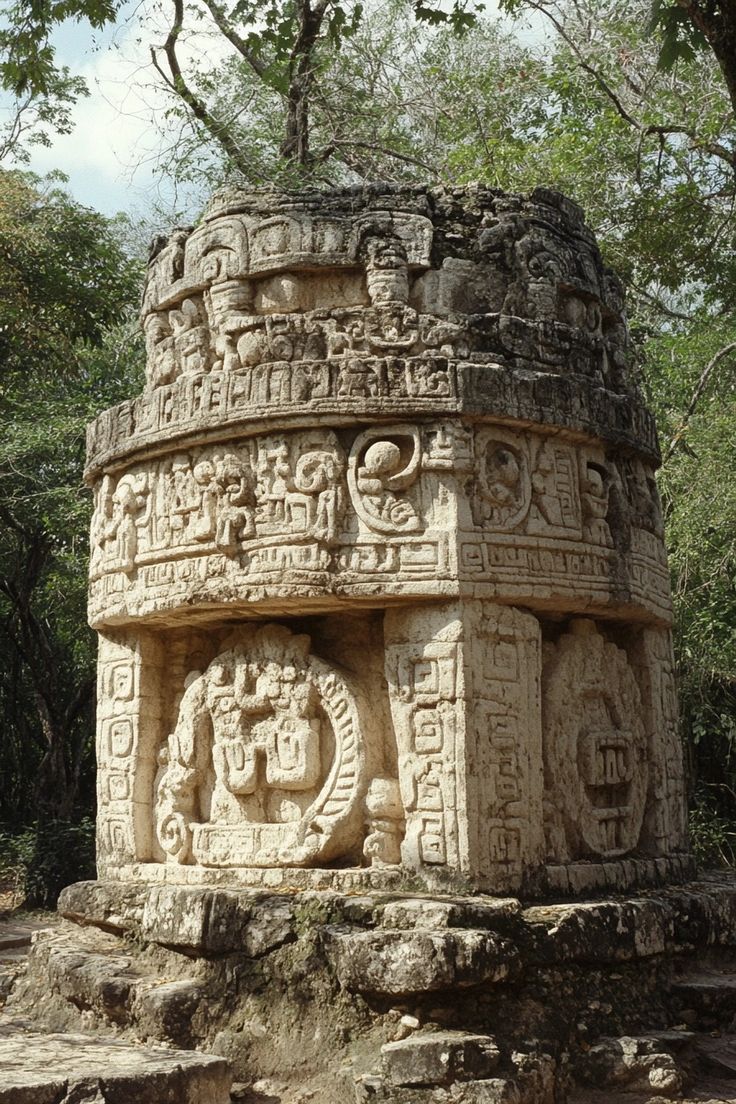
(112, 154)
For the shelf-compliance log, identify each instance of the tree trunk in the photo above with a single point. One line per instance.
(58, 701)
(717, 22)
(295, 147)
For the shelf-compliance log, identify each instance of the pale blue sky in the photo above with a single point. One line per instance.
(112, 154)
(110, 157)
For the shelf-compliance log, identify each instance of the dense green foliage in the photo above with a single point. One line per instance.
(38, 861)
(63, 277)
(67, 349)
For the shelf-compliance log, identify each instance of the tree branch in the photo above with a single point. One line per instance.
(720, 33)
(295, 146)
(177, 83)
(345, 143)
(586, 66)
(226, 28)
(659, 305)
(700, 387)
(715, 149)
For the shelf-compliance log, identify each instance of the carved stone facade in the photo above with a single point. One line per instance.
(377, 559)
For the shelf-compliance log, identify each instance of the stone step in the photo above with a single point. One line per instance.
(709, 1072)
(16, 934)
(61, 1069)
(15, 942)
(718, 1057)
(456, 1067)
(705, 1092)
(635, 1064)
(705, 997)
(86, 969)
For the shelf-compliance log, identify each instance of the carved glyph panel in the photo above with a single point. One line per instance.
(666, 818)
(128, 719)
(596, 749)
(235, 499)
(293, 502)
(464, 691)
(504, 742)
(394, 504)
(238, 293)
(540, 486)
(227, 332)
(383, 463)
(266, 762)
(425, 677)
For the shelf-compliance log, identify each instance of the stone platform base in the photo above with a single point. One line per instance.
(386, 998)
(78, 1069)
(575, 879)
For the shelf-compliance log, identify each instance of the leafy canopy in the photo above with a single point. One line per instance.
(68, 347)
(27, 56)
(64, 278)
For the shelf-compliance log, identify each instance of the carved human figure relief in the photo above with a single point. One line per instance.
(384, 463)
(642, 495)
(385, 823)
(101, 519)
(277, 486)
(358, 380)
(191, 337)
(595, 485)
(596, 751)
(122, 512)
(555, 496)
(392, 326)
(185, 497)
(300, 489)
(161, 363)
(235, 484)
(265, 763)
(387, 273)
(503, 484)
(205, 521)
(318, 491)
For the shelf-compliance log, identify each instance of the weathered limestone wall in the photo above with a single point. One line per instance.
(377, 558)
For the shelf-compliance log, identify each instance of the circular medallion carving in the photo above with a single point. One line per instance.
(595, 746)
(265, 765)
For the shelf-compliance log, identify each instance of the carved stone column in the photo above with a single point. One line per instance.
(377, 558)
(464, 682)
(131, 667)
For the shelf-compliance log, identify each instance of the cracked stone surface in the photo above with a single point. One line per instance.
(77, 1069)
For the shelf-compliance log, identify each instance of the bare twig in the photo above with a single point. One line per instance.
(257, 65)
(700, 387)
(715, 149)
(344, 144)
(176, 82)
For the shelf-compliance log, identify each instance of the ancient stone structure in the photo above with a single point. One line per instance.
(377, 559)
(378, 573)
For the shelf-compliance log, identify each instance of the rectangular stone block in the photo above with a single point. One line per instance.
(439, 1058)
